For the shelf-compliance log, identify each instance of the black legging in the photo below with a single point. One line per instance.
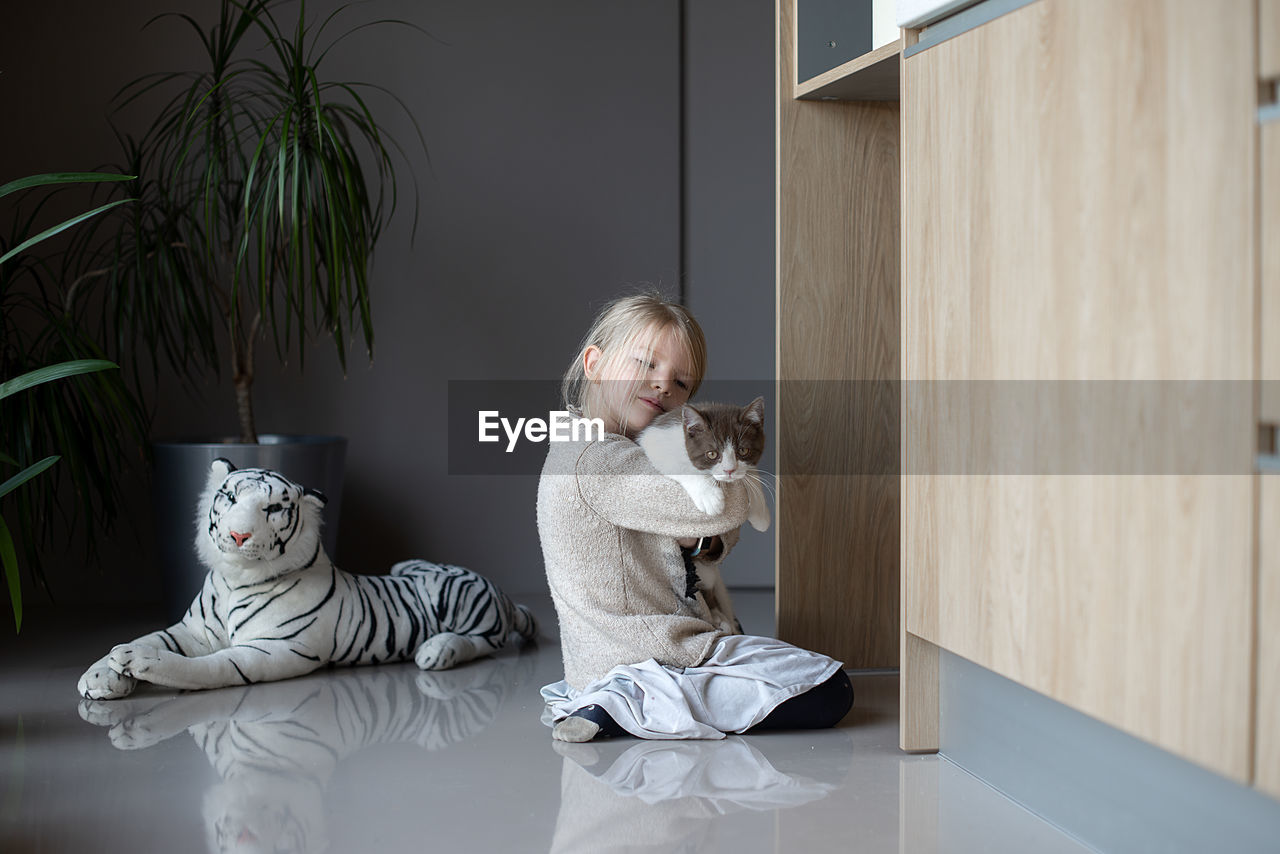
(820, 707)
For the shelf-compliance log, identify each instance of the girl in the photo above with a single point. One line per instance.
(642, 655)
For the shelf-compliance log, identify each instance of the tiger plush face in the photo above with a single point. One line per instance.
(254, 524)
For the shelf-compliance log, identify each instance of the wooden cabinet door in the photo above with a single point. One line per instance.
(1078, 343)
(1267, 764)
(1267, 760)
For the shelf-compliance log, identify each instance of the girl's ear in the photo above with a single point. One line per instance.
(591, 360)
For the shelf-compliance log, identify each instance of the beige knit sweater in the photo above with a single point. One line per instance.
(608, 522)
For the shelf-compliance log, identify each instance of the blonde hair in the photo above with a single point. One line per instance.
(618, 327)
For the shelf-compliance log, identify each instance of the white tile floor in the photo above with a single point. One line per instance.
(390, 759)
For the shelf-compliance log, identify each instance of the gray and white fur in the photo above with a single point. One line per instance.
(701, 447)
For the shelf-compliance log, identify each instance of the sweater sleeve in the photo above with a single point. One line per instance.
(619, 484)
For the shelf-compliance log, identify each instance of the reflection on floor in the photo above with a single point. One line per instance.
(392, 759)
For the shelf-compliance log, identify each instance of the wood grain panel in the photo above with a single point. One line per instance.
(1269, 39)
(1079, 209)
(1267, 757)
(871, 77)
(918, 696)
(1269, 224)
(838, 255)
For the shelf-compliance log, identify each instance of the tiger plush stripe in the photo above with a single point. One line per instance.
(274, 606)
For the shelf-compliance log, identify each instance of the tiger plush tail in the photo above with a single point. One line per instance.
(522, 621)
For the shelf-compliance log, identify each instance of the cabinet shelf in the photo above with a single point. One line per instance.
(870, 77)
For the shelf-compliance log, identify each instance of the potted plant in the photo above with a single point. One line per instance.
(263, 189)
(84, 421)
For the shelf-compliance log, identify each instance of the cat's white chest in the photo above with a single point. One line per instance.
(665, 448)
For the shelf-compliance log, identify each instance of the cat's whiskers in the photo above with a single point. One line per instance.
(757, 477)
(766, 480)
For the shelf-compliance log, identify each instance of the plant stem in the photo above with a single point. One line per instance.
(242, 376)
(244, 407)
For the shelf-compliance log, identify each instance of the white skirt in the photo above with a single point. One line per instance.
(745, 678)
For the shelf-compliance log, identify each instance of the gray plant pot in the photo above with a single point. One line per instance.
(181, 472)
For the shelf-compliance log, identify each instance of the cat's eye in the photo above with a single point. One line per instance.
(713, 455)
(273, 508)
(745, 451)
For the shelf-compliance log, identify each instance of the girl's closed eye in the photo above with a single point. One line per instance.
(649, 364)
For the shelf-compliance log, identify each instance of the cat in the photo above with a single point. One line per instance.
(701, 447)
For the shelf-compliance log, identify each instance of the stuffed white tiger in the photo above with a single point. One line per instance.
(274, 606)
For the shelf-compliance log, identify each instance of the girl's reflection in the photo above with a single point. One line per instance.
(624, 795)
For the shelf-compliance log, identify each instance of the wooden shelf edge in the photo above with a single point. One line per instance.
(870, 77)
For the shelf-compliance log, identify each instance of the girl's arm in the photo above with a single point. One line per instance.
(617, 481)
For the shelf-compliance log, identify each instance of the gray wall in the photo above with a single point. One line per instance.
(554, 184)
(729, 218)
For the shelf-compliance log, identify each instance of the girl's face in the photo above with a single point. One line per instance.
(650, 376)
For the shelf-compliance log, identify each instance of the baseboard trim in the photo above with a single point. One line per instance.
(1105, 788)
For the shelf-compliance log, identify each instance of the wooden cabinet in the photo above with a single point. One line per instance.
(1269, 296)
(1267, 765)
(1078, 224)
(1267, 715)
(838, 279)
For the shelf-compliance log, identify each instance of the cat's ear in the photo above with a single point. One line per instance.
(315, 497)
(754, 411)
(694, 421)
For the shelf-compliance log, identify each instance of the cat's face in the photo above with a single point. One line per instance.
(724, 441)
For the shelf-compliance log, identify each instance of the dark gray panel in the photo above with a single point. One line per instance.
(830, 33)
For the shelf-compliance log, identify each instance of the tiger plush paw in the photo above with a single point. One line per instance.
(133, 660)
(101, 682)
(445, 650)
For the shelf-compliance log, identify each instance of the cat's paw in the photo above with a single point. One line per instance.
(134, 661)
(102, 682)
(709, 499)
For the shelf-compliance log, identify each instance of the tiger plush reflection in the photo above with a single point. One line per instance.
(274, 606)
(276, 747)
